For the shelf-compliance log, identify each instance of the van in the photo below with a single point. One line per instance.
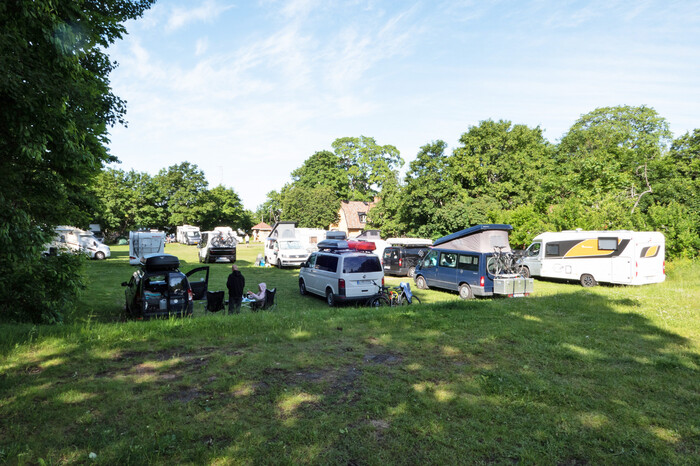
(285, 252)
(615, 256)
(342, 271)
(188, 234)
(465, 262)
(79, 241)
(402, 260)
(217, 245)
(143, 243)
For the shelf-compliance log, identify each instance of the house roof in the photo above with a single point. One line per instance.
(353, 209)
(262, 226)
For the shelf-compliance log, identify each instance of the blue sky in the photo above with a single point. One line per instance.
(248, 90)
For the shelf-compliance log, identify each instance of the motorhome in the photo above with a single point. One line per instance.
(79, 241)
(188, 234)
(217, 245)
(616, 256)
(283, 248)
(144, 242)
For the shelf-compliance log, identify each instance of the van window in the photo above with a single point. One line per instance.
(327, 263)
(551, 249)
(361, 264)
(430, 260)
(468, 262)
(607, 244)
(448, 259)
(533, 250)
(311, 262)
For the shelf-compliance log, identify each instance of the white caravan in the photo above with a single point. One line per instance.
(80, 241)
(217, 245)
(188, 234)
(618, 256)
(283, 248)
(144, 242)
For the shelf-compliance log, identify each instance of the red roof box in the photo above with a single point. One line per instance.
(362, 245)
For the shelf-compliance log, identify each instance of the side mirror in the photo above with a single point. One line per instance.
(125, 284)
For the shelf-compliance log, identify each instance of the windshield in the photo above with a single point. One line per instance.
(290, 245)
(361, 264)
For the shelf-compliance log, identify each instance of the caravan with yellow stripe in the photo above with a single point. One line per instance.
(621, 257)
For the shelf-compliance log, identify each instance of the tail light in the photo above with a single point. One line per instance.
(482, 281)
(382, 281)
(400, 262)
(664, 269)
(341, 287)
(190, 295)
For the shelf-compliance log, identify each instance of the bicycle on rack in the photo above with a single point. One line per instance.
(505, 263)
(394, 296)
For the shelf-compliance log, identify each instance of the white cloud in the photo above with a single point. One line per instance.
(201, 46)
(205, 12)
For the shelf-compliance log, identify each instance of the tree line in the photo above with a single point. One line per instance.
(177, 195)
(615, 168)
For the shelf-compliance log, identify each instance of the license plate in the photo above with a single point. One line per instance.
(364, 282)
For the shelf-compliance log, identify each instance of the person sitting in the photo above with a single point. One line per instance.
(258, 297)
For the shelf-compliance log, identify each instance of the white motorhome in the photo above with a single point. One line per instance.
(188, 234)
(145, 242)
(283, 248)
(217, 244)
(617, 256)
(80, 241)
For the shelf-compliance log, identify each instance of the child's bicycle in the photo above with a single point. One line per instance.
(394, 296)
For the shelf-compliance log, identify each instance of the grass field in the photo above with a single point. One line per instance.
(567, 376)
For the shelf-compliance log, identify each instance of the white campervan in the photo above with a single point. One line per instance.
(145, 242)
(188, 234)
(80, 241)
(618, 256)
(283, 248)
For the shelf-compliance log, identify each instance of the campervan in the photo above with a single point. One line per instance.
(283, 248)
(188, 234)
(217, 245)
(143, 242)
(79, 241)
(466, 262)
(615, 256)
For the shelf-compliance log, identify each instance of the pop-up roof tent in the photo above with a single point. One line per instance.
(479, 238)
(371, 235)
(283, 230)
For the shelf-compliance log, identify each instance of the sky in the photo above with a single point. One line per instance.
(248, 90)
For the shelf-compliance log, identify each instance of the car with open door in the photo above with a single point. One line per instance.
(159, 289)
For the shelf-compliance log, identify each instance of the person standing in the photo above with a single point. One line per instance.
(235, 285)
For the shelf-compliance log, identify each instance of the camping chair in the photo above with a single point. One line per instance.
(215, 301)
(265, 304)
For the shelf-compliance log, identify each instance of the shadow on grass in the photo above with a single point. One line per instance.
(573, 378)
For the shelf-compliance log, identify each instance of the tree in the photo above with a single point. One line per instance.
(368, 165)
(270, 210)
(310, 207)
(324, 168)
(502, 161)
(221, 206)
(181, 190)
(55, 110)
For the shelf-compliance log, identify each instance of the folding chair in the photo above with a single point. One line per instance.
(267, 303)
(215, 301)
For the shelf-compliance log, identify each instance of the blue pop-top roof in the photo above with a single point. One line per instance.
(471, 231)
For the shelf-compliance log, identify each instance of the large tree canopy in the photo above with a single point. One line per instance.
(55, 110)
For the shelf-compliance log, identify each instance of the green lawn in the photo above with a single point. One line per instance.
(566, 376)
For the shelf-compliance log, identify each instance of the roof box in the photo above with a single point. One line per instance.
(333, 244)
(336, 235)
(154, 262)
(362, 245)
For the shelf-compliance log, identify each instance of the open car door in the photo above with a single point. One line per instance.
(199, 281)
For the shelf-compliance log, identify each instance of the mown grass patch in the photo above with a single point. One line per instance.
(569, 375)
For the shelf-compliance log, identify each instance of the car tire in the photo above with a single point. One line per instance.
(330, 298)
(587, 280)
(465, 291)
(421, 283)
(279, 264)
(302, 287)
(411, 272)
(100, 256)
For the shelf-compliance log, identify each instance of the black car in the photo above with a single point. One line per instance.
(402, 260)
(159, 289)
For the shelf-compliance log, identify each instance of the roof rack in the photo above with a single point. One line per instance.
(336, 245)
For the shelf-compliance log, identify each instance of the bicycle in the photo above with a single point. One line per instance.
(393, 296)
(506, 262)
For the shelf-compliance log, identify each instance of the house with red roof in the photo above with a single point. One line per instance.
(353, 217)
(261, 231)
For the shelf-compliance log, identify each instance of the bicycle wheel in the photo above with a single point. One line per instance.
(379, 301)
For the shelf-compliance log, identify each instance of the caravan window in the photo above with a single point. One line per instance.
(469, 262)
(552, 249)
(448, 259)
(607, 244)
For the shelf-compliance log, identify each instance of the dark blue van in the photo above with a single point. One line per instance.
(463, 262)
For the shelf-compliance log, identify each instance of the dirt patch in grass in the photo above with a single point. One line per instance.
(382, 358)
(186, 395)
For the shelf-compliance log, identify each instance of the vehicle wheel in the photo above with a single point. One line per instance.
(525, 272)
(588, 281)
(200, 258)
(379, 301)
(421, 283)
(279, 264)
(99, 255)
(330, 297)
(411, 271)
(302, 287)
(465, 291)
